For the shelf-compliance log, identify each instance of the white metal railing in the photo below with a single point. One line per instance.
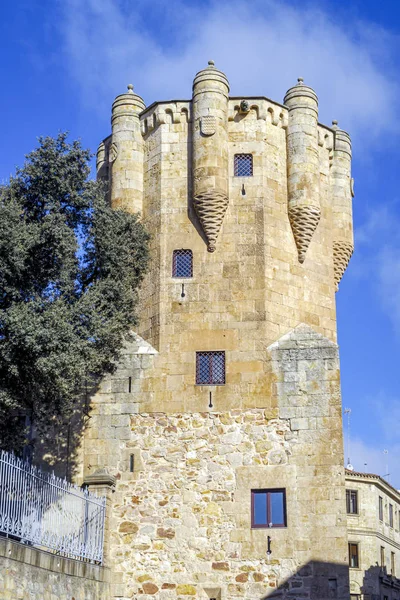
(43, 510)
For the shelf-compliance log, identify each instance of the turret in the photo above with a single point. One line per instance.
(126, 152)
(342, 192)
(210, 150)
(303, 164)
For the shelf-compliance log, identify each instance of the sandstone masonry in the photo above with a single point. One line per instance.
(268, 249)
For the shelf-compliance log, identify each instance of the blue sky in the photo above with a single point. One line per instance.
(64, 62)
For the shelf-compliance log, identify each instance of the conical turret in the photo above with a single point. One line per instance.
(210, 150)
(303, 164)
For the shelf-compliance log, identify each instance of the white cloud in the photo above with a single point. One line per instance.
(369, 459)
(378, 238)
(262, 45)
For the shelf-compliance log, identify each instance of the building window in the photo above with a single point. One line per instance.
(382, 556)
(353, 555)
(391, 515)
(352, 502)
(210, 368)
(182, 263)
(268, 508)
(380, 508)
(243, 165)
(393, 563)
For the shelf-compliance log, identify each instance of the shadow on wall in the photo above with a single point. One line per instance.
(377, 585)
(315, 581)
(58, 448)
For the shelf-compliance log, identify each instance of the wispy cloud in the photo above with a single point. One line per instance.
(370, 459)
(262, 45)
(378, 241)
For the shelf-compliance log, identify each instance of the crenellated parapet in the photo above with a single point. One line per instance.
(212, 129)
(164, 112)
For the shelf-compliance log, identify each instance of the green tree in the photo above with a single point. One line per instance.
(70, 268)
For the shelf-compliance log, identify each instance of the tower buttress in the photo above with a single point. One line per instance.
(126, 152)
(210, 150)
(303, 164)
(342, 210)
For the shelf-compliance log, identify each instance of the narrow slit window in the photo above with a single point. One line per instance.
(210, 368)
(243, 165)
(268, 508)
(182, 263)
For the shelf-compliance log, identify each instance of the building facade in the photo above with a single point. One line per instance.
(222, 424)
(373, 519)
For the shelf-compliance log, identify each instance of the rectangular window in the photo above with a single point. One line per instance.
(210, 368)
(353, 555)
(393, 563)
(382, 556)
(380, 508)
(243, 165)
(391, 515)
(351, 502)
(268, 508)
(182, 263)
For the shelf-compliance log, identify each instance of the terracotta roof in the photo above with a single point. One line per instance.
(372, 476)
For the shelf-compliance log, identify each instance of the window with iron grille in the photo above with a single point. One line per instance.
(243, 165)
(268, 508)
(182, 263)
(210, 368)
(351, 502)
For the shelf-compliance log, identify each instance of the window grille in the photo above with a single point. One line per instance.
(243, 165)
(268, 508)
(182, 263)
(210, 368)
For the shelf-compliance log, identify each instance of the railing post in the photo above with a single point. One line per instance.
(103, 484)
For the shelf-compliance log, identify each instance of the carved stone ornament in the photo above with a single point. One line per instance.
(342, 252)
(208, 125)
(211, 207)
(304, 221)
(113, 152)
(244, 106)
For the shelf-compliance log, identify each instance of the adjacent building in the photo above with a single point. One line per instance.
(373, 525)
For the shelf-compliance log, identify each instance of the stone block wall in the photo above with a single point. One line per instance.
(27, 573)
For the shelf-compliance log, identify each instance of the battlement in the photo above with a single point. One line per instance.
(282, 229)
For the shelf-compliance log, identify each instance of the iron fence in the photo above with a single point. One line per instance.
(46, 511)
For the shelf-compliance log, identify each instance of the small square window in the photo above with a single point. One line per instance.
(243, 165)
(268, 508)
(210, 368)
(351, 502)
(182, 263)
(353, 555)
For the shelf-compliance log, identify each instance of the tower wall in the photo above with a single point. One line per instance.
(181, 520)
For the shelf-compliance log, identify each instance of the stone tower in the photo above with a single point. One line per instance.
(222, 424)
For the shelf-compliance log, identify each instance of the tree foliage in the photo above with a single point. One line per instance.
(70, 268)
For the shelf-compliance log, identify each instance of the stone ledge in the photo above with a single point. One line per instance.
(22, 553)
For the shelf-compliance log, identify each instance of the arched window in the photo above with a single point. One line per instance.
(182, 263)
